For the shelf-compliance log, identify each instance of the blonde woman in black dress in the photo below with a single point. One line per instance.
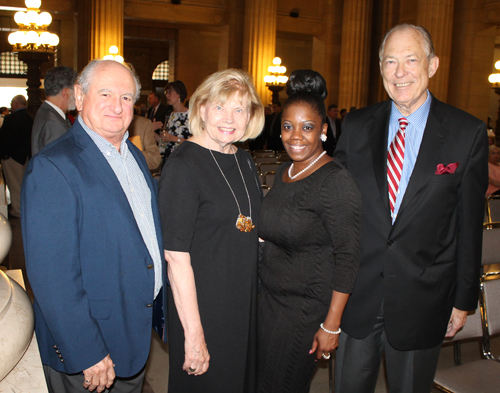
(209, 200)
(310, 223)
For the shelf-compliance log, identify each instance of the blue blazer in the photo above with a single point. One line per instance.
(90, 270)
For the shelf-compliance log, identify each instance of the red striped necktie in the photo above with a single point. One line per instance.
(395, 159)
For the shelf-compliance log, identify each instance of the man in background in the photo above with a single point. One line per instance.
(273, 128)
(4, 111)
(15, 150)
(50, 120)
(157, 111)
(141, 134)
(334, 131)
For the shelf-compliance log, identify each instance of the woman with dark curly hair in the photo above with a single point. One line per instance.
(310, 222)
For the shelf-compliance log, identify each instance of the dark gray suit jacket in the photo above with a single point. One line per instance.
(48, 126)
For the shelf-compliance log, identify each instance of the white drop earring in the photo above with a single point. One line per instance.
(323, 137)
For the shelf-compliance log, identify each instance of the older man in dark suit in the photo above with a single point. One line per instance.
(15, 149)
(157, 111)
(92, 240)
(421, 166)
(50, 120)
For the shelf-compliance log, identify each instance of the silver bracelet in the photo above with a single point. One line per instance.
(329, 331)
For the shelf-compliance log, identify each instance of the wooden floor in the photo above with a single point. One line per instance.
(157, 367)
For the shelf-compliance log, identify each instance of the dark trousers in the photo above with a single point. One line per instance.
(357, 364)
(58, 382)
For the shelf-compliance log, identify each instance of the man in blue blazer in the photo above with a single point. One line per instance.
(92, 240)
(422, 225)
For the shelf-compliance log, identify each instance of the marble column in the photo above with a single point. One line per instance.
(385, 18)
(437, 17)
(231, 36)
(355, 53)
(106, 27)
(259, 42)
(326, 49)
(472, 58)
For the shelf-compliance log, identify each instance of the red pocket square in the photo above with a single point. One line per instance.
(450, 168)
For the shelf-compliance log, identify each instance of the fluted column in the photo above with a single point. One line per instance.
(388, 19)
(326, 49)
(260, 42)
(355, 53)
(437, 17)
(106, 27)
(472, 58)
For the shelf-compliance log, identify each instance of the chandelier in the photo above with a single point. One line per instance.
(494, 79)
(276, 74)
(33, 34)
(113, 50)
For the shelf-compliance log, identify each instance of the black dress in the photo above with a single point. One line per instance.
(198, 214)
(311, 229)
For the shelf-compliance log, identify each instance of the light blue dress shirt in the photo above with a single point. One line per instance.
(138, 194)
(413, 138)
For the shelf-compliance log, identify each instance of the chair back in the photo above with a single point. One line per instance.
(264, 153)
(493, 208)
(491, 291)
(491, 245)
(268, 167)
(258, 159)
(269, 179)
(282, 156)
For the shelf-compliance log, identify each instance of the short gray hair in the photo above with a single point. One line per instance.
(86, 76)
(426, 39)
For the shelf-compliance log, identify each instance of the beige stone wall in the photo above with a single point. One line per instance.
(197, 56)
(471, 59)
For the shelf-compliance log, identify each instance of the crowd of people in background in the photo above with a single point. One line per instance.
(354, 247)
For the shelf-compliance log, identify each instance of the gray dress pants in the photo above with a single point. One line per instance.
(357, 364)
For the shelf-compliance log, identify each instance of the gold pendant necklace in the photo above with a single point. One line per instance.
(243, 223)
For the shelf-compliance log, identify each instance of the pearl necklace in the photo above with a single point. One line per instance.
(243, 223)
(306, 168)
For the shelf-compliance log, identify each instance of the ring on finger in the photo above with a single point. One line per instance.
(87, 381)
(326, 356)
(191, 370)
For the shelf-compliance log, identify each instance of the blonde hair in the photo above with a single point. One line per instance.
(218, 88)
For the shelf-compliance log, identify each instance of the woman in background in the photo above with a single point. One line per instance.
(177, 128)
(210, 198)
(310, 221)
